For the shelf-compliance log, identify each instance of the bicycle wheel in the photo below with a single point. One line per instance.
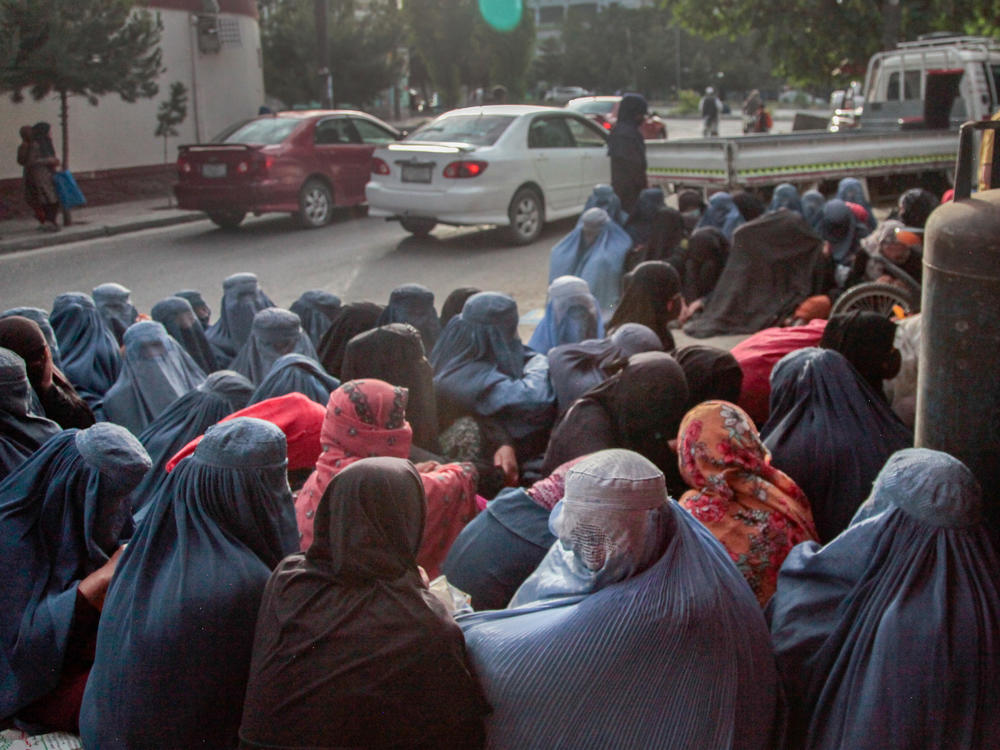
(885, 299)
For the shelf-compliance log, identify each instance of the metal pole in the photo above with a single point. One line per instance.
(323, 53)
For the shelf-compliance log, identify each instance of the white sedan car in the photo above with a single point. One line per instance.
(516, 166)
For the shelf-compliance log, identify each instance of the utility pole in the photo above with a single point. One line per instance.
(323, 54)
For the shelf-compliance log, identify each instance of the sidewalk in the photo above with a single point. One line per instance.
(90, 223)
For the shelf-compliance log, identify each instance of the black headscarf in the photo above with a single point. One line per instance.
(454, 302)
(410, 685)
(351, 319)
(830, 432)
(707, 252)
(866, 339)
(711, 373)
(638, 408)
(648, 288)
(749, 204)
(395, 353)
(915, 206)
(771, 268)
(198, 304)
(40, 135)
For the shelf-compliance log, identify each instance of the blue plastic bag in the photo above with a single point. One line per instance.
(67, 190)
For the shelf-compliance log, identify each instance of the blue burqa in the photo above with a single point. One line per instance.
(851, 190)
(316, 309)
(889, 636)
(222, 393)
(571, 315)
(114, 303)
(242, 299)
(595, 252)
(723, 214)
(178, 317)
(830, 432)
(601, 652)
(812, 207)
(296, 373)
(173, 652)
(275, 333)
(63, 513)
(481, 367)
(156, 372)
(786, 195)
(90, 356)
(604, 196)
(413, 304)
(22, 428)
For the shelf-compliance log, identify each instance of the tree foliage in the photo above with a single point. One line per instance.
(171, 113)
(362, 49)
(87, 48)
(809, 39)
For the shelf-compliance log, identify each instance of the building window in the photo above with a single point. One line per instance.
(229, 32)
(550, 14)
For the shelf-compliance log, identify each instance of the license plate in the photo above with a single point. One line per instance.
(213, 170)
(417, 172)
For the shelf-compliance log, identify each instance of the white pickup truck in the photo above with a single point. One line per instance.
(915, 97)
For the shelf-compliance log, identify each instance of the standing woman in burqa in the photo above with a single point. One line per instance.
(41, 163)
(627, 150)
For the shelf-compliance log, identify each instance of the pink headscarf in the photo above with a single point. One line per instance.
(366, 418)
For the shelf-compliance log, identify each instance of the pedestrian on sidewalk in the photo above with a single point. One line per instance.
(22, 159)
(41, 163)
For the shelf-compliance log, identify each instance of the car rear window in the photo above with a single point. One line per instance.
(593, 108)
(267, 131)
(478, 130)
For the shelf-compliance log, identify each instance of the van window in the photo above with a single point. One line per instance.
(911, 85)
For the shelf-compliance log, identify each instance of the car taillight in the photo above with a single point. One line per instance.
(459, 169)
(606, 124)
(243, 167)
(264, 164)
(379, 166)
(183, 166)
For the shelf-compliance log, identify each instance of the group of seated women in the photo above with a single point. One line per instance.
(356, 525)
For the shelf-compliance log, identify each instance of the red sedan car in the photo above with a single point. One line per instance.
(301, 162)
(604, 111)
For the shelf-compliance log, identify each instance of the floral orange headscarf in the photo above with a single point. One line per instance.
(366, 418)
(755, 510)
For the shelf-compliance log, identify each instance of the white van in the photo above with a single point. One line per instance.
(937, 82)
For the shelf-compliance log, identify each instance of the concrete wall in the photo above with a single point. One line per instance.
(223, 87)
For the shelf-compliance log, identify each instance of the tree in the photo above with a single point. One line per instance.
(171, 113)
(442, 35)
(362, 51)
(509, 54)
(87, 48)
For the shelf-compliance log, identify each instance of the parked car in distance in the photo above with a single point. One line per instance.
(302, 162)
(604, 111)
(559, 95)
(511, 165)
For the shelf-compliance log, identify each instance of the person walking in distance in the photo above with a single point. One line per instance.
(710, 108)
(41, 163)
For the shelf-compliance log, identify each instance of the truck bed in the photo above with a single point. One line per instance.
(764, 160)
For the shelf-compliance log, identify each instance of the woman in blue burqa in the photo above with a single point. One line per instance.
(274, 333)
(296, 373)
(636, 630)
(627, 150)
(242, 298)
(173, 654)
(887, 636)
(594, 251)
(481, 369)
(571, 315)
(156, 371)
(177, 315)
(63, 518)
(90, 356)
(413, 304)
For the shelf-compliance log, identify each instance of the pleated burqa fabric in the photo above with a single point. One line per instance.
(413, 304)
(63, 513)
(22, 430)
(173, 652)
(242, 299)
(571, 316)
(889, 636)
(90, 356)
(114, 303)
(275, 333)
(673, 656)
(222, 393)
(830, 432)
(296, 373)
(156, 371)
(178, 317)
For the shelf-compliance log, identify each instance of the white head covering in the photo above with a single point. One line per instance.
(612, 523)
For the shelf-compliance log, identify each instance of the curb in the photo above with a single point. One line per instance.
(96, 232)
